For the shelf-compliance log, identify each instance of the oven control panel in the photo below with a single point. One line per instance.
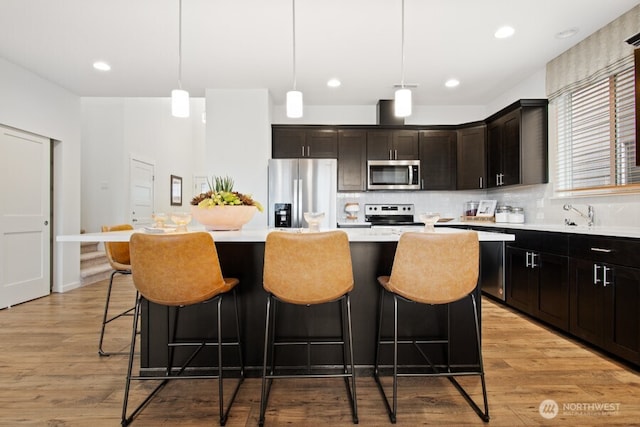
(386, 210)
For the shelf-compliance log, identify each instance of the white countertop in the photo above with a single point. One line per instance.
(596, 230)
(384, 234)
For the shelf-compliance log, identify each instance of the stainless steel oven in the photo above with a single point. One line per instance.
(393, 175)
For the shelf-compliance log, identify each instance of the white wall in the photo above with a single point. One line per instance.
(33, 104)
(117, 129)
(239, 141)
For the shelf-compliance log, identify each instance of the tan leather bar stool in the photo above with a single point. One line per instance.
(118, 256)
(308, 269)
(432, 269)
(176, 271)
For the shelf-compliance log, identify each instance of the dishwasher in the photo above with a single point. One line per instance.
(492, 269)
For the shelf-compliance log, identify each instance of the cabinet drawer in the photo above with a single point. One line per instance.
(613, 250)
(541, 241)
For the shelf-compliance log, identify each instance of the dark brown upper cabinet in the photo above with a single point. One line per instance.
(438, 159)
(352, 160)
(392, 145)
(472, 158)
(298, 142)
(517, 144)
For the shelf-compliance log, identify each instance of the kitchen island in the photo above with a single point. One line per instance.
(241, 255)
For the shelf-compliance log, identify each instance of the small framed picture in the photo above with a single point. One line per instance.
(176, 190)
(487, 208)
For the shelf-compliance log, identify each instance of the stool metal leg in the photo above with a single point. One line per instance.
(105, 316)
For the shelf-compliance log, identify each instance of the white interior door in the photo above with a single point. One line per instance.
(141, 191)
(25, 215)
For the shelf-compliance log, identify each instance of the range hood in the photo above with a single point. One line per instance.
(385, 115)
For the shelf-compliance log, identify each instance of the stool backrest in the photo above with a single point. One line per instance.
(176, 269)
(117, 252)
(435, 268)
(307, 268)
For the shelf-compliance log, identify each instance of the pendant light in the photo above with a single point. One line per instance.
(402, 101)
(180, 97)
(294, 97)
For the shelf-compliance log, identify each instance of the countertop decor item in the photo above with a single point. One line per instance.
(429, 219)
(313, 219)
(221, 208)
(352, 210)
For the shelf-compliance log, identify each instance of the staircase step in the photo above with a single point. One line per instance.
(88, 247)
(90, 259)
(95, 273)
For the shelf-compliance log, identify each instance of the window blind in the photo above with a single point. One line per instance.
(596, 133)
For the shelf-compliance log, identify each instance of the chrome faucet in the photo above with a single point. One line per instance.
(589, 216)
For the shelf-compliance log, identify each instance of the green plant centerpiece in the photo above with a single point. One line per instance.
(222, 208)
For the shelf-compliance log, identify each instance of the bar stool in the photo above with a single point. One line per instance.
(118, 256)
(176, 271)
(432, 269)
(308, 269)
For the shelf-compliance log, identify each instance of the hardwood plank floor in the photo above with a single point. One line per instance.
(51, 375)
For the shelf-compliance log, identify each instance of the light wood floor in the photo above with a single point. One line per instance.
(51, 375)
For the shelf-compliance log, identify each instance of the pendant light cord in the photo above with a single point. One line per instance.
(402, 65)
(294, 43)
(180, 44)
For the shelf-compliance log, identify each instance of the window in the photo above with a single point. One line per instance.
(596, 134)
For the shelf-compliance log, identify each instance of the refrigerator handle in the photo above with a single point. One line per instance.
(294, 210)
(299, 197)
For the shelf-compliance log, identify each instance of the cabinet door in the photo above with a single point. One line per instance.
(494, 153)
(379, 145)
(622, 312)
(471, 153)
(352, 160)
(520, 279)
(551, 296)
(287, 143)
(586, 302)
(405, 145)
(438, 160)
(511, 149)
(321, 144)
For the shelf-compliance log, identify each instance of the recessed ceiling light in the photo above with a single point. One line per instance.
(334, 83)
(452, 83)
(567, 33)
(101, 65)
(504, 32)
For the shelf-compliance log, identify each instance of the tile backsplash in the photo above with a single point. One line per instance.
(540, 205)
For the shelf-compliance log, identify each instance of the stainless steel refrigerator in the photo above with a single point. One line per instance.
(302, 185)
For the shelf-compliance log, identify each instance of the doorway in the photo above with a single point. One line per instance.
(141, 192)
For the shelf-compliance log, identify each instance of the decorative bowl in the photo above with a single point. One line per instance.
(429, 219)
(313, 219)
(223, 217)
(180, 219)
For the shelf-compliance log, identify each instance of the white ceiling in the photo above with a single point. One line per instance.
(248, 44)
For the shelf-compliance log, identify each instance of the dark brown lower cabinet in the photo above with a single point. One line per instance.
(605, 306)
(537, 270)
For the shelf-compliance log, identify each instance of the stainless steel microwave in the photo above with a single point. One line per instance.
(393, 175)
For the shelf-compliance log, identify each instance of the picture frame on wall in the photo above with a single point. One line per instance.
(487, 208)
(176, 190)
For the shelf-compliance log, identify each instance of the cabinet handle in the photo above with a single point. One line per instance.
(605, 270)
(308, 151)
(302, 150)
(533, 260)
(595, 274)
(480, 182)
(390, 155)
(606, 251)
(527, 263)
(395, 154)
